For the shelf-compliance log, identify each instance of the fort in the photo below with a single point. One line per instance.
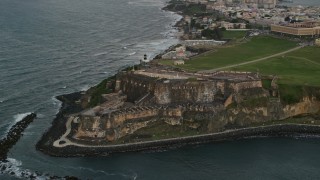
(152, 106)
(200, 103)
(143, 97)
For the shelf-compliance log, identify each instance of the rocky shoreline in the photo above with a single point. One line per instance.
(68, 107)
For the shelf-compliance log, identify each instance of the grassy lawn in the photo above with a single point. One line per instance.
(257, 47)
(234, 34)
(158, 130)
(301, 67)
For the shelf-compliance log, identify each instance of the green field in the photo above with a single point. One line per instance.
(256, 48)
(301, 67)
(234, 34)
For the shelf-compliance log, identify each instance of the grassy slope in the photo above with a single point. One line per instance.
(234, 34)
(301, 67)
(257, 47)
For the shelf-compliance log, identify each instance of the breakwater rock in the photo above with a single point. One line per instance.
(11, 166)
(14, 135)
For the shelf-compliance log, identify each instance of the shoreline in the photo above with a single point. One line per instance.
(279, 130)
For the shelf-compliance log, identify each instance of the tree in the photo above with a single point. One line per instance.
(219, 34)
(212, 34)
(235, 21)
(288, 19)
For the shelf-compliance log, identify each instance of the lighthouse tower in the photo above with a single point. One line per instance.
(145, 60)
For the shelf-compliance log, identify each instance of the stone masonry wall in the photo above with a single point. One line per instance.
(136, 86)
(184, 92)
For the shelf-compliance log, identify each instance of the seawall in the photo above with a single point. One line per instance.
(269, 131)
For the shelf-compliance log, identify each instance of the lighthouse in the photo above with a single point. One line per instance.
(144, 62)
(145, 58)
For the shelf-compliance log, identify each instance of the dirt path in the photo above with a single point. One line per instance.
(253, 61)
(302, 58)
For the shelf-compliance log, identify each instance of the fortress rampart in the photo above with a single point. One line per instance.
(117, 124)
(167, 97)
(185, 88)
(203, 42)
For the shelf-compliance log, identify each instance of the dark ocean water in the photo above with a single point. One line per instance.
(54, 47)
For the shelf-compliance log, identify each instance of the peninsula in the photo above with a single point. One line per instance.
(250, 83)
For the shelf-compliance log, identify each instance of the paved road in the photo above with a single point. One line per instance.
(253, 61)
(64, 141)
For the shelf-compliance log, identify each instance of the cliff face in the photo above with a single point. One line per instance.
(121, 123)
(273, 110)
(204, 118)
(306, 106)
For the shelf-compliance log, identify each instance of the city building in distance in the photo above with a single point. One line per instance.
(310, 28)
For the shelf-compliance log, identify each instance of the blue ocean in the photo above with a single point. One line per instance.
(54, 47)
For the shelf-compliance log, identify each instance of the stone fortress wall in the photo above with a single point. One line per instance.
(177, 87)
(122, 122)
(198, 101)
(171, 99)
(202, 43)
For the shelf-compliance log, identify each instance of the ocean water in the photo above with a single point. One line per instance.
(53, 47)
(303, 3)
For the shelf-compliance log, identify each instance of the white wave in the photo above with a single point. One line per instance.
(153, 48)
(132, 53)
(14, 162)
(2, 100)
(55, 101)
(124, 47)
(146, 3)
(135, 176)
(91, 170)
(19, 117)
(85, 87)
(12, 168)
(129, 45)
(99, 54)
(40, 115)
